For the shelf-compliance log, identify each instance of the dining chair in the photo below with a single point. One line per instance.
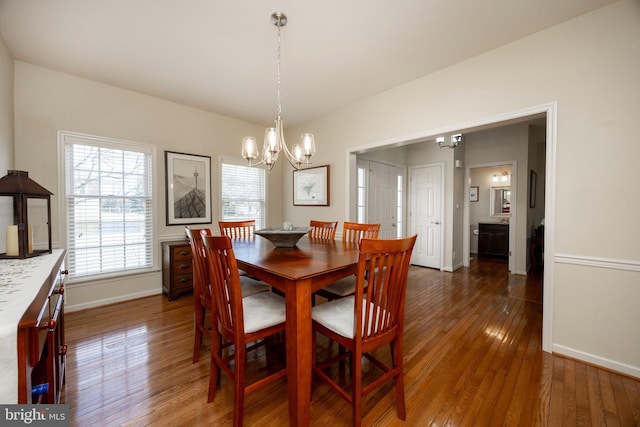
(353, 233)
(325, 230)
(240, 321)
(202, 287)
(364, 322)
(238, 229)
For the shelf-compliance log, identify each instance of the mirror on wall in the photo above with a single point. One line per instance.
(500, 202)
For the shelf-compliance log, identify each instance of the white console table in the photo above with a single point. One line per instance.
(26, 313)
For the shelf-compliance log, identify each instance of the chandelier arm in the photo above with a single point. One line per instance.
(293, 161)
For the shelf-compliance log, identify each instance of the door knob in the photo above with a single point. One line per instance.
(436, 222)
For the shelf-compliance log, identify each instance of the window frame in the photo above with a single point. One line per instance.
(66, 138)
(236, 161)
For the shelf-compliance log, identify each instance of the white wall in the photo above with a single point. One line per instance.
(48, 101)
(6, 135)
(6, 109)
(589, 66)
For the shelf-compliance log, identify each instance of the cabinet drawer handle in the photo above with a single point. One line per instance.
(185, 252)
(54, 319)
(184, 266)
(183, 280)
(62, 350)
(51, 324)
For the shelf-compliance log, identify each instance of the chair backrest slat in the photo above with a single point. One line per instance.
(238, 229)
(354, 232)
(385, 265)
(325, 230)
(222, 269)
(201, 286)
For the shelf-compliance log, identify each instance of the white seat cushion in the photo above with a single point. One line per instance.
(339, 315)
(252, 286)
(262, 310)
(343, 287)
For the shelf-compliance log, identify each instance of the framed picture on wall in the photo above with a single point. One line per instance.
(188, 188)
(311, 186)
(473, 194)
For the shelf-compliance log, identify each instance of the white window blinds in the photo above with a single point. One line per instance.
(109, 205)
(243, 193)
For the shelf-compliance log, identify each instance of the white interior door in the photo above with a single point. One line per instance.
(382, 198)
(425, 214)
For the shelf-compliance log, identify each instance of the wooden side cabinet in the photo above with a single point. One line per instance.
(41, 344)
(493, 240)
(177, 268)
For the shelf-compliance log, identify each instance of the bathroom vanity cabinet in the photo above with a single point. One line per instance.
(493, 240)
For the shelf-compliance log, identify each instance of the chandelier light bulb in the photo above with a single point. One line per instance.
(271, 141)
(249, 148)
(308, 145)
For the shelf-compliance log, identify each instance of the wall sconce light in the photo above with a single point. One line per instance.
(455, 141)
(504, 178)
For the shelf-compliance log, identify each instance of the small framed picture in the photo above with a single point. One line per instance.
(188, 188)
(311, 186)
(473, 194)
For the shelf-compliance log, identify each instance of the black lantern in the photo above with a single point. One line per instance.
(26, 236)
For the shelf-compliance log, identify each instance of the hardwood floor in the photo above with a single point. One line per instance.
(472, 357)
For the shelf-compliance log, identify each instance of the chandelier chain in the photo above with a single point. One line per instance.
(279, 25)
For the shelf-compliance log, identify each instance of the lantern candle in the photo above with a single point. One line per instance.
(30, 237)
(12, 240)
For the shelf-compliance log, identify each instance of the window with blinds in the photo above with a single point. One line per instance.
(243, 192)
(109, 205)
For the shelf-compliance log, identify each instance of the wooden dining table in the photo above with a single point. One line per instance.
(297, 272)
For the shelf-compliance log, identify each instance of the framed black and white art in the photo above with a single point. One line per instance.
(188, 188)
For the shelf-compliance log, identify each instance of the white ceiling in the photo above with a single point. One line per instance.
(220, 55)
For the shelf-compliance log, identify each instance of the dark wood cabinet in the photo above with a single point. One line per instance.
(177, 268)
(493, 240)
(41, 345)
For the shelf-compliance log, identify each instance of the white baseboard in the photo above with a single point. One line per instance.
(107, 301)
(457, 266)
(633, 371)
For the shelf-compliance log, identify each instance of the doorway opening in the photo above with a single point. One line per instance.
(491, 211)
(456, 225)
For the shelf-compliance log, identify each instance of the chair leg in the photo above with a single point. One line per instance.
(238, 385)
(214, 370)
(356, 375)
(341, 364)
(396, 347)
(314, 358)
(220, 342)
(198, 326)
